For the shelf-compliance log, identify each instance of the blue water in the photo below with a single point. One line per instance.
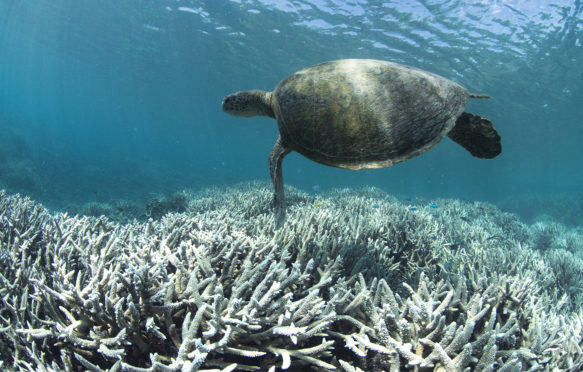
(121, 99)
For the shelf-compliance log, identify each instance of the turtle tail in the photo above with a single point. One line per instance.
(476, 95)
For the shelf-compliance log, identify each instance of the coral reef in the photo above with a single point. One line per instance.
(120, 211)
(124, 211)
(564, 208)
(355, 281)
(159, 206)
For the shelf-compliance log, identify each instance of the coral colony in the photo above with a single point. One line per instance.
(363, 282)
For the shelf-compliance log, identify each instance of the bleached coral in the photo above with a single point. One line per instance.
(354, 281)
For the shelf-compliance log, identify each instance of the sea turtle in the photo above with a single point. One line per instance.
(362, 113)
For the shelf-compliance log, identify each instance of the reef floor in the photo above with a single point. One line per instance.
(355, 280)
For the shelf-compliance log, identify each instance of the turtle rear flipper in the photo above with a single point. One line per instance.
(277, 154)
(477, 135)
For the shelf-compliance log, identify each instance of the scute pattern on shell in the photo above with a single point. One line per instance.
(365, 113)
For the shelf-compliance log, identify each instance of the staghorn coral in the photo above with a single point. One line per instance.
(344, 286)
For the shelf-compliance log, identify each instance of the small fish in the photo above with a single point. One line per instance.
(319, 204)
(316, 188)
(412, 208)
(375, 205)
(493, 237)
(465, 219)
(432, 205)
(435, 215)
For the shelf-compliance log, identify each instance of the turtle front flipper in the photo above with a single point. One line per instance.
(277, 154)
(477, 135)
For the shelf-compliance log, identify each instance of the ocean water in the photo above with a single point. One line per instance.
(115, 100)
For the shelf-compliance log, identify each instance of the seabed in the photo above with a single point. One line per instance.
(355, 280)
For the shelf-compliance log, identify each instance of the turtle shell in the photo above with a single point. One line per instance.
(359, 114)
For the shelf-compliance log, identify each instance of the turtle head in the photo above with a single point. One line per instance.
(248, 103)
